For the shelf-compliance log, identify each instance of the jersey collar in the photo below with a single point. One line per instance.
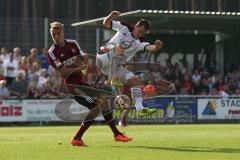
(64, 44)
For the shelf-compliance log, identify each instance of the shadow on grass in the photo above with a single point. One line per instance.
(186, 149)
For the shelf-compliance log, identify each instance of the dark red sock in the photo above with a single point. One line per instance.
(113, 127)
(82, 129)
(110, 121)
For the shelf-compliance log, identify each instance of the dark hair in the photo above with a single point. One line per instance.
(145, 23)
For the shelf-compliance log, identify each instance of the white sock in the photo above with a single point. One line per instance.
(137, 98)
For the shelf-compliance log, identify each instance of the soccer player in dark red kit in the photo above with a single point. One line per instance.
(67, 57)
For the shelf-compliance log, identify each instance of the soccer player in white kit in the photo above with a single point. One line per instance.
(122, 48)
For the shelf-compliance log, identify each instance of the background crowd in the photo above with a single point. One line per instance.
(28, 75)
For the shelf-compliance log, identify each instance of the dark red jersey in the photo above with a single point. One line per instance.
(66, 56)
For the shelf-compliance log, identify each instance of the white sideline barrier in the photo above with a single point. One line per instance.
(203, 108)
(28, 110)
(37, 110)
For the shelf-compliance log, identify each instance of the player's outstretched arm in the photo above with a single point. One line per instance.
(154, 48)
(108, 20)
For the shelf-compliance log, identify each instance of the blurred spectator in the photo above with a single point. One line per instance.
(43, 78)
(228, 76)
(4, 55)
(10, 69)
(17, 54)
(187, 85)
(35, 69)
(18, 87)
(4, 92)
(186, 69)
(224, 92)
(177, 73)
(203, 88)
(220, 85)
(32, 89)
(232, 86)
(204, 73)
(23, 65)
(33, 57)
(43, 59)
(196, 77)
(213, 80)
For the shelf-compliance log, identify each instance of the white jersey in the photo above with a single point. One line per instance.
(123, 37)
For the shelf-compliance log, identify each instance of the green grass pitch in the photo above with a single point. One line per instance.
(151, 142)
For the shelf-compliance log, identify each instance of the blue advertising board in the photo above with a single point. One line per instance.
(169, 110)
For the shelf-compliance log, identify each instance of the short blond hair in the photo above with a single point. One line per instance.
(56, 25)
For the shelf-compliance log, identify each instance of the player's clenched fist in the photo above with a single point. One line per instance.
(107, 22)
(115, 14)
(158, 44)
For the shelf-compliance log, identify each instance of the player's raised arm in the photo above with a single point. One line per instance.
(155, 47)
(107, 22)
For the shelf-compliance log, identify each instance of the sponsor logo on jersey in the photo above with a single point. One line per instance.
(70, 61)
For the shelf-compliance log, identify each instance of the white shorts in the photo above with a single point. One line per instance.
(112, 67)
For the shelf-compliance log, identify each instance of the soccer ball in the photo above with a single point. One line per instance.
(122, 101)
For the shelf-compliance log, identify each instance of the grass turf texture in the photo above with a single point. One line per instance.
(151, 142)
